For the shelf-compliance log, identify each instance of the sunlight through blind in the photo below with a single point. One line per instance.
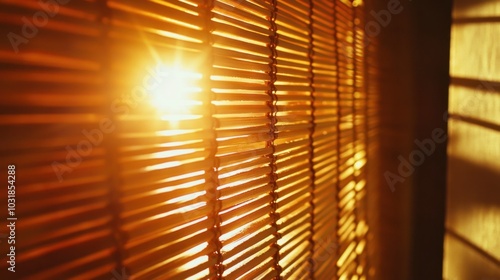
(217, 139)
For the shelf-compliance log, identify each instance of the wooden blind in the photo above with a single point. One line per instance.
(186, 139)
(52, 89)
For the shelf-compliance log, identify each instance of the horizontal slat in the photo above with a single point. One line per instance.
(263, 161)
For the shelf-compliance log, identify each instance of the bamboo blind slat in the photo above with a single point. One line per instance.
(234, 143)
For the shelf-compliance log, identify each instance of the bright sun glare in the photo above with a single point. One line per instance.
(175, 97)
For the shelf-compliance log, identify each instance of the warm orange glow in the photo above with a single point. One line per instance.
(175, 97)
(195, 263)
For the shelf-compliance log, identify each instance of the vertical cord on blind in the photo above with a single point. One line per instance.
(112, 142)
(336, 40)
(273, 177)
(311, 136)
(212, 182)
(363, 131)
(366, 127)
(354, 116)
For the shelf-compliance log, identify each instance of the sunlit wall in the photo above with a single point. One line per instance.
(472, 243)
